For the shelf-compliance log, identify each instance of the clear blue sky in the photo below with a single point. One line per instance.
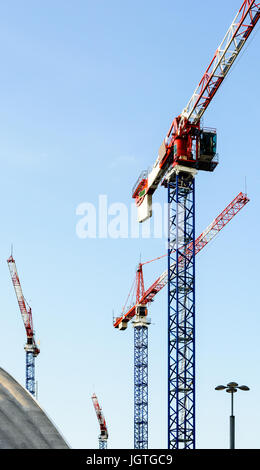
(88, 91)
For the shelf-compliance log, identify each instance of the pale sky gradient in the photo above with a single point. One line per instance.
(88, 91)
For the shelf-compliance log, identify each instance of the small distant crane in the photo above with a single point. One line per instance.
(103, 437)
(31, 348)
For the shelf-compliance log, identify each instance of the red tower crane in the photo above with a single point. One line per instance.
(31, 348)
(138, 312)
(103, 437)
(187, 149)
(144, 297)
(186, 144)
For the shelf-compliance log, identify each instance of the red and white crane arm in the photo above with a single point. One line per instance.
(100, 418)
(25, 311)
(225, 55)
(204, 238)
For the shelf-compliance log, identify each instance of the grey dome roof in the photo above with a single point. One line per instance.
(23, 424)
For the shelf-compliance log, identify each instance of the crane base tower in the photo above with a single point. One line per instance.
(30, 370)
(181, 309)
(140, 324)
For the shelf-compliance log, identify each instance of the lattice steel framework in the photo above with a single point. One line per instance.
(140, 386)
(102, 443)
(30, 372)
(181, 313)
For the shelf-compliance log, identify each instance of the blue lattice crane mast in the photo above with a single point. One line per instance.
(31, 349)
(187, 149)
(140, 324)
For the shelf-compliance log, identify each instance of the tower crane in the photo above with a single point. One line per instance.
(138, 314)
(31, 349)
(187, 149)
(103, 437)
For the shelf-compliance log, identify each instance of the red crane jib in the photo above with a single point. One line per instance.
(26, 312)
(204, 238)
(186, 143)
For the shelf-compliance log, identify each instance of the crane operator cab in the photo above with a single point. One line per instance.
(196, 149)
(208, 158)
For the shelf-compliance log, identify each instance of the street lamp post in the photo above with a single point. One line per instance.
(232, 388)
